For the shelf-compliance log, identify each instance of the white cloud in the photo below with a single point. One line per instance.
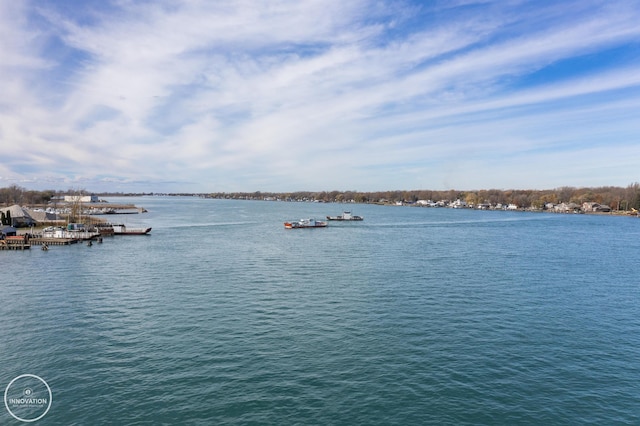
(234, 95)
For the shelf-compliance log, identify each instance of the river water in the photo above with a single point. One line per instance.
(412, 316)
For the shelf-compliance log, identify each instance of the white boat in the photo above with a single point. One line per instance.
(124, 230)
(69, 233)
(345, 216)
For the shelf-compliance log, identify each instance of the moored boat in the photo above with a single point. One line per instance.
(345, 216)
(72, 231)
(124, 230)
(305, 223)
(105, 229)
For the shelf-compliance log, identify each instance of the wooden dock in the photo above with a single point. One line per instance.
(15, 243)
(53, 241)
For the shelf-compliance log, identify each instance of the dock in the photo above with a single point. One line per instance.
(15, 243)
(53, 241)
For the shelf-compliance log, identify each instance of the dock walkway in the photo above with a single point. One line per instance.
(15, 243)
(53, 241)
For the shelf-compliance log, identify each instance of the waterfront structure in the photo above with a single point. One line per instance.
(81, 198)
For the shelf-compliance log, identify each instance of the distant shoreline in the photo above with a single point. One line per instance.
(623, 199)
(613, 201)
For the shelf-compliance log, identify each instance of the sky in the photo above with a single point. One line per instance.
(315, 95)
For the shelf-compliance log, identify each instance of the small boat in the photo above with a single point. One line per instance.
(305, 223)
(345, 216)
(123, 230)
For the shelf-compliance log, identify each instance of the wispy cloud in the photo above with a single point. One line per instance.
(286, 95)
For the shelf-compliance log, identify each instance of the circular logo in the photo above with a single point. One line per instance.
(27, 398)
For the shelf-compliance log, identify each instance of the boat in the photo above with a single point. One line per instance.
(72, 231)
(345, 216)
(123, 230)
(305, 223)
(104, 229)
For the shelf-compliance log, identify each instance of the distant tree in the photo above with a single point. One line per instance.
(494, 196)
(537, 203)
(565, 193)
(634, 196)
(349, 195)
(323, 196)
(546, 198)
(361, 198)
(471, 198)
(521, 200)
(576, 199)
(409, 196)
(11, 195)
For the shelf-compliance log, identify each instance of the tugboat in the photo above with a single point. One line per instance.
(305, 223)
(345, 216)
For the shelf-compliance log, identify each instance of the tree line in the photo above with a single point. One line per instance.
(15, 194)
(617, 198)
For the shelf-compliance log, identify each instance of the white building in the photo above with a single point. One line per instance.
(81, 198)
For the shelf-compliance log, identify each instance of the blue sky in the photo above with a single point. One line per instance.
(367, 95)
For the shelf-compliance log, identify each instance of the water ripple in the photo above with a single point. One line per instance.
(415, 316)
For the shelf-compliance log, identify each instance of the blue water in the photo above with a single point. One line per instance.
(413, 316)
